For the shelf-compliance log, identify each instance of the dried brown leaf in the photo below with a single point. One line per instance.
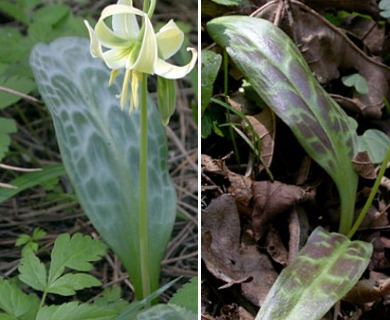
(275, 247)
(298, 227)
(271, 200)
(226, 258)
(239, 186)
(368, 290)
(363, 165)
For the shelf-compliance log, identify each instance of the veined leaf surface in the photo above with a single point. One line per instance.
(99, 145)
(326, 268)
(278, 72)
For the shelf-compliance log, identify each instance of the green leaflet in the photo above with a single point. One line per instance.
(31, 179)
(99, 145)
(187, 296)
(76, 252)
(33, 272)
(326, 268)
(14, 301)
(75, 311)
(7, 126)
(279, 74)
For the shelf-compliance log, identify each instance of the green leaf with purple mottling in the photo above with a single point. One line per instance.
(326, 268)
(279, 74)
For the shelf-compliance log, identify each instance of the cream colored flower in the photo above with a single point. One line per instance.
(137, 50)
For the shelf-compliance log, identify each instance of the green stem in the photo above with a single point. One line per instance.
(143, 192)
(145, 6)
(152, 6)
(43, 299)
(225, 94)
(371, 196)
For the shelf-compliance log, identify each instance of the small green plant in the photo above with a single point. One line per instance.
(65, 274)
(384, 6)
(356, 81)
(30, 243)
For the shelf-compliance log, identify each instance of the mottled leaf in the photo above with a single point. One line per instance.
(279, 74)
(325, 269)
(166, 312)
(99, 144)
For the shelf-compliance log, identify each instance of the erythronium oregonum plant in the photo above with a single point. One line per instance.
(139, 51)
(125, 190)
(330, 263)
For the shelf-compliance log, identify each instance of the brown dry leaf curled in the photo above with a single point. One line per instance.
(239, 186)
(271, 200)
(368, 290)
(226, 258)
(363, 165)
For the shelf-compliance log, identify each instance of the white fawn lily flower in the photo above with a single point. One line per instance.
(137, 50)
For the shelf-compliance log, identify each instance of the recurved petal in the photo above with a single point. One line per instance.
(125, 25)
(95, 48)
(170, 71)
(169, 40)
(147, 56)
(115, 58)
(107, 37)
(120, 9)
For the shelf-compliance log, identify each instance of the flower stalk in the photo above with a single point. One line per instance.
(143, 191)
(152, 6)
